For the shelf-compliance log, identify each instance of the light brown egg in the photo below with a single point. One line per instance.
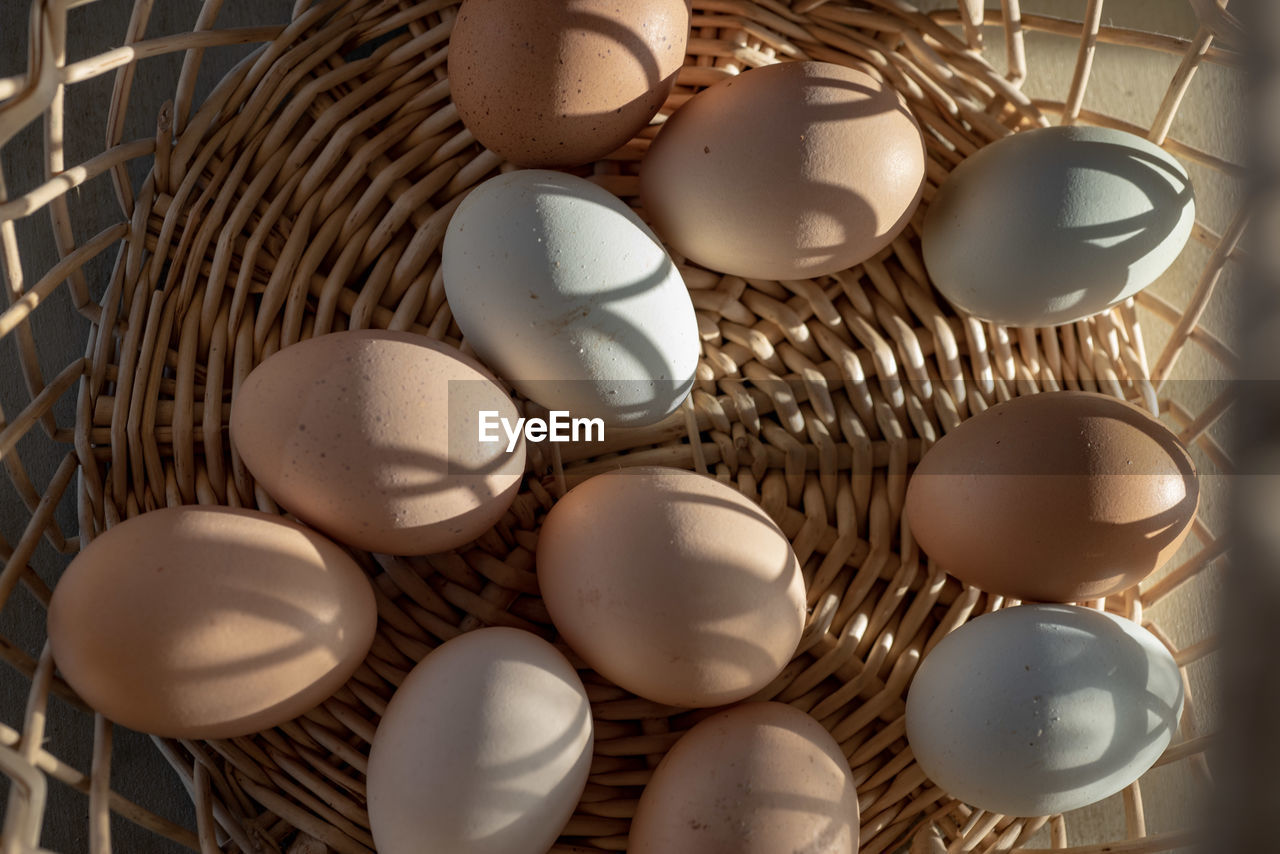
(760, 778)
(788, 171)
(671, 584)
(372, 437)
(549, 83)
(1054, 497)
(209, 622)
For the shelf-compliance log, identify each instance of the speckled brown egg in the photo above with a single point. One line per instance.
(550, 83)
(373, 437)
(788, 171)
(760, 778)
(672, 584)
(209, 622)
(1054, 497)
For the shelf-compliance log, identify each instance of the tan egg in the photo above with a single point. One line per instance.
(671, 584)
(787, 171)
(373, 437)
(1054, 497)
(209, 622)
(760, 778)
(549, 83)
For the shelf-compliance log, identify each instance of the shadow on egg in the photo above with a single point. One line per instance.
(632, 44)
(530, 108)
(1054, 225)
(637, 385)
(485, 746)
(666, 594)
(1060, 497)
(749, 779)
(269, 626)
(1109, 249)
(1122, 730)
(505, 804)
(830, 178)
(467, 505)
(1041, 709)
(834, 221)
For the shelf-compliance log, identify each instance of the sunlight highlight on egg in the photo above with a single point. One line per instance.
(485, 747)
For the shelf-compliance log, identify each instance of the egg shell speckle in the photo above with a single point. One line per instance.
(1041, 709)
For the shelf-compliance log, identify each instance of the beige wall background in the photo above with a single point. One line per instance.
(1127, 83)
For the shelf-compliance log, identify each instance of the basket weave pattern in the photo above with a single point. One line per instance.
(310, 193)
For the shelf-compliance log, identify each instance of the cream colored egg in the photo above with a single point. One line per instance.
(484, 749)
(209, 622)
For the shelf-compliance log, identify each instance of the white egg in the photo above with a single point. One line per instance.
(565, 293)
(485, 748)
(1052, 225)
(1042, 709)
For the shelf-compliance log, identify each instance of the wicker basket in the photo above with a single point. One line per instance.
(309, 192)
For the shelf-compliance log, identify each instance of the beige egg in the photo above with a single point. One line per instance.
(788, 171)
(484, 748)
(1055, 497)
(209, 622)
(671, 584)
(760, 778)
(551, 83)
(372, 437)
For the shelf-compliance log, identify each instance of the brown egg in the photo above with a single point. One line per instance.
(760, 778)
(1054, 497)
(672, 584)
(372, 437)
(546, 83)
(788, 171)
(209, 622)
